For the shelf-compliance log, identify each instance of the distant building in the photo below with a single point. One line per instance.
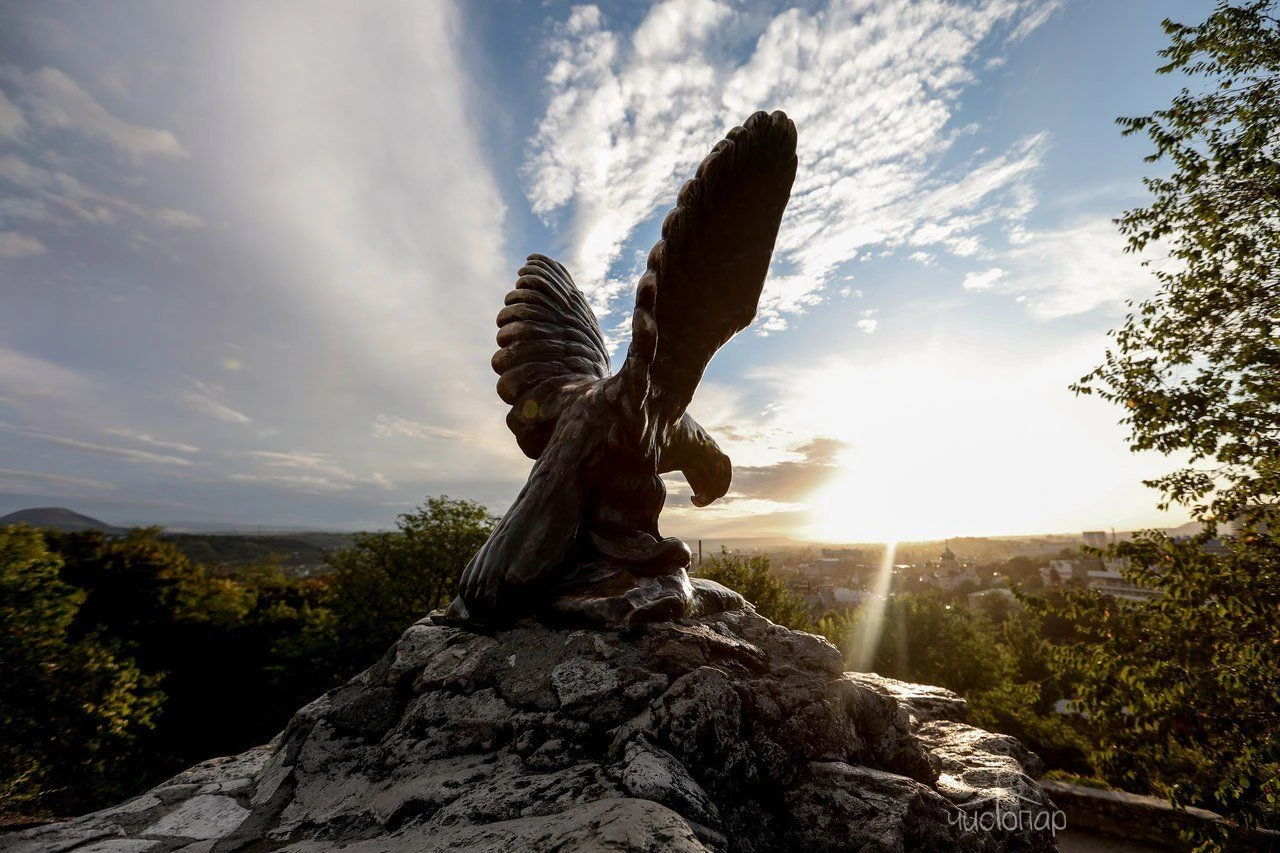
(851, 556)
(830, 566)
(951, 572)
(1108, 580)
(1068, 571)
(815, 572)
(835, 566)
(846, 596)
(1106, 576)
(1095, 539)
(947, 563)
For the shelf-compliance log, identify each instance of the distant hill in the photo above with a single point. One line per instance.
(58, 518)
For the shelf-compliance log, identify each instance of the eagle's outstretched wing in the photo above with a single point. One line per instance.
(705, 275)
(597, 482)
(551, 348)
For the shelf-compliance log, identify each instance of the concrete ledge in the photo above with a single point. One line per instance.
(1135, 817)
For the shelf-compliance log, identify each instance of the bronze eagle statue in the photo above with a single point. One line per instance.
(581, 540)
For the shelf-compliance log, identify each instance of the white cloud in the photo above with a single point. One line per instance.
(300, 460)
(364, 253)
(982, 280)
(1017, 235)
(674, 27)
(18, 172)
(58, 198)
(392, 427)
(369, 184)
(27, 376)
(362, 229)
(90, 447)
(115, 79)
(178, 219)
(747, 434)
(144, 438)
(1059, 272)
(55, 101)
(1035, 19)
(965, 247)
(202, 400)
(301, 483)
(16, 245)
(872, 89)
(13, 125)
(22, 481)
(67, 189)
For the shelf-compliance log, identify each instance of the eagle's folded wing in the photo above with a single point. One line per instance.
(705, 275)
(551, 348)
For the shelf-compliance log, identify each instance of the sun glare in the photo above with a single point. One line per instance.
(939, 443)
(866, 505)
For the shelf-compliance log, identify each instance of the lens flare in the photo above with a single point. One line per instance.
(871, 624)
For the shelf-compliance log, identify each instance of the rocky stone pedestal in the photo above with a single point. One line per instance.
(722, 733)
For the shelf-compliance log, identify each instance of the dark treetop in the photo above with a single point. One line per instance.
(581, 542)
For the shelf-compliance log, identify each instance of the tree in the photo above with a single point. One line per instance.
(1186, 688)
(1022, 570)
(1004, 671)
(924, 639)
(236, 651)
(1198, 365)
(386, 581)
(754, 579)
(69, 706)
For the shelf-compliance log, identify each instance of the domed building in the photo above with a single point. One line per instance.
(951, 571)
(948, 565)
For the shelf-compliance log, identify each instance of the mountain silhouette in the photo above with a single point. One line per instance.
(59, 518)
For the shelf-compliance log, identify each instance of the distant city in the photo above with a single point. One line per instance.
(976, 573)
(980, 573)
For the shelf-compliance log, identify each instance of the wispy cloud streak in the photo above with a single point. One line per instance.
(100, 449)
(874, 85)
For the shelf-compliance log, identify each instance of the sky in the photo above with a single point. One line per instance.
(251, 253)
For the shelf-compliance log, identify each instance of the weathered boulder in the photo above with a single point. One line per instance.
(723, 733)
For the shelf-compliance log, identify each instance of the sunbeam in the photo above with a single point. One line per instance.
(868, 632)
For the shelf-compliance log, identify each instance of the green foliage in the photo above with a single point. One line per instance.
(91, 625)
(838, 627)
(753, 578)
(1016, 708)
(1185, 689)
(69, 705)
(1198, 365)
(1022, 571)
(1004, 669)
(923, 638)
(235, 652)
(307, 549)
(387, 581)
